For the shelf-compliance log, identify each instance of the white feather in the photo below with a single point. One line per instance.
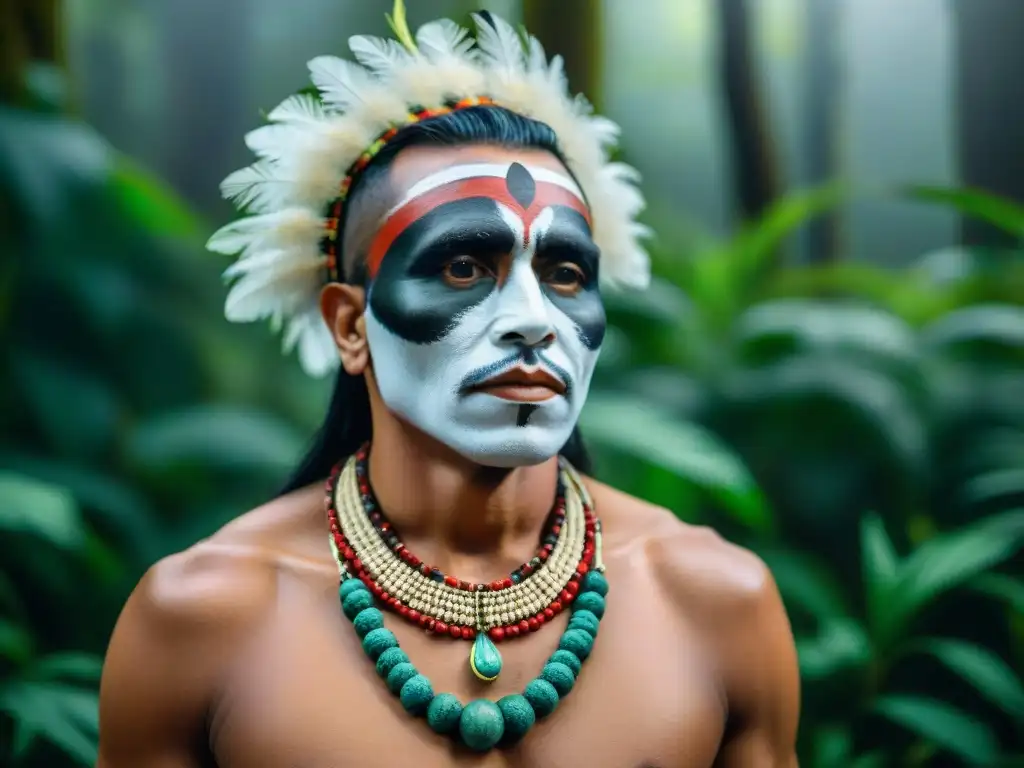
(291, 228)
(500, 44)
(341, 83)
(378, 55)
(299, 108)
(444, 39)
(260, 188)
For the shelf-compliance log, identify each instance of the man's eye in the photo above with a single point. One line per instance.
(463, 270)
(566, 277)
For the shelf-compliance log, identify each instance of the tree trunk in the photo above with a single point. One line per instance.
(821, 118)
(29, 32)
(573, 29)
(991, 112)
(754, 164)
(205, 48)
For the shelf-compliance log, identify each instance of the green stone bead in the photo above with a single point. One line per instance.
(577, 641)
(571, 660)
(444, 712)
(349, 586)
(559, 675)
(518, 715)
(484, 658)
(542, 696)
(585, 620)
(368, 620)
(416, 695)
(590, 601)
(356, 603)
(399, 675)
(595, 581)
(377, 641)
(388, 660)
(481, 725)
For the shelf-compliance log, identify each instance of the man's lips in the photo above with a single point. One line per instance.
(522, 385)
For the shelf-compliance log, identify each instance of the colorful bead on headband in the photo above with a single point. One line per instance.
(330, 245)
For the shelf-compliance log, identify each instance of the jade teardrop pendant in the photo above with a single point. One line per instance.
(484, 658)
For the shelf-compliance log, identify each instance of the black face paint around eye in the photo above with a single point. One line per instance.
(567, 239)
(409, 295)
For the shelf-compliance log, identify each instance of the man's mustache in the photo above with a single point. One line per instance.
(527, 357)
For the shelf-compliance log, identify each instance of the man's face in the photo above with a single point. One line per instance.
(483, 318)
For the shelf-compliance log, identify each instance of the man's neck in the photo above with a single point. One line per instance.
(476, 523)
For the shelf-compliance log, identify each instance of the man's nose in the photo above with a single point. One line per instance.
(524, 316)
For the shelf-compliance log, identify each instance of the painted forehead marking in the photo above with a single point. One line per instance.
(480, 170)
(526, 191)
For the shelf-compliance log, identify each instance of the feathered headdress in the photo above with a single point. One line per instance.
(313, 148)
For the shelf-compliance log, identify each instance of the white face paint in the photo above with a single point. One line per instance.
(432, 339)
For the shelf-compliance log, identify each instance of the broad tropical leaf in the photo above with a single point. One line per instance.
(987, 673)
(693, 453)
(215, 436)
(69, 667)
(998, 211)
(941, 724)
(805, 584)
(16, 642)
(995, 331)
(880, 564)
(840, 644)
(1003, 588)
(46, 511)
(65, 716)
(945, 562)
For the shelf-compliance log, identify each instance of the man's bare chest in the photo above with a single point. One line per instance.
(305, 696)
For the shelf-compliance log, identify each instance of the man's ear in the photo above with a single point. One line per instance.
(342, 307)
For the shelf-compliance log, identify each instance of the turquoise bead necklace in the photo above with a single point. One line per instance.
(481, 724)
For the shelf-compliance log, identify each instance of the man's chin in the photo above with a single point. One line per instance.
(510, 452)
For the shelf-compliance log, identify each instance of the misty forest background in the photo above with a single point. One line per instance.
(829, 367)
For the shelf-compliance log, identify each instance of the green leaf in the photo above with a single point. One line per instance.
(832, 746)
(840, 645)
(29, 506)
(15, 642)
(996, 329)
(876, 759)
(115, 507)
(941, 724)
(43, 161)
(691, 452)
(1001, 587)
(880, 561)
(805, 584)
(757, 244)
(1002, 484)
(987, 673)
(945, 562)
(69, 666)
(805, 326)
(149, 202)
(67, 717)
(219, 437)
(998, 211)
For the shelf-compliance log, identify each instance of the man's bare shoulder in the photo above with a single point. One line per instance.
(700, 569)
(229, 578)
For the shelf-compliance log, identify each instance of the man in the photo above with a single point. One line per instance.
(457, 285)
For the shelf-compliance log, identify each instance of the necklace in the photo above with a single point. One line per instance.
(480, 724)
(484, 613)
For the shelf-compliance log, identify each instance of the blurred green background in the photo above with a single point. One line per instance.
(829, 367)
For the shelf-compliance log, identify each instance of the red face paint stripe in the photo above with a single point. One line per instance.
(493, 187)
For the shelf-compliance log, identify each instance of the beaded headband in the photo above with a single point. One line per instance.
(288, 246)
(416, 115)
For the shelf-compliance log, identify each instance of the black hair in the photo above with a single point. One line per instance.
(347, 423)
